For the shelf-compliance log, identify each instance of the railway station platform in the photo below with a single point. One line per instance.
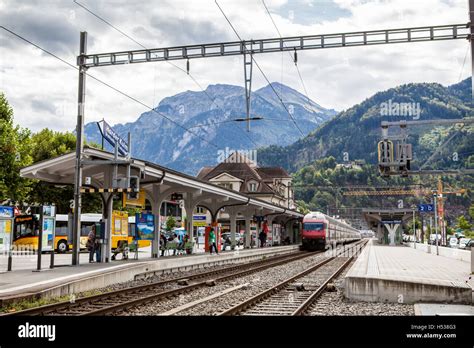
(63, 281)
(402, 274)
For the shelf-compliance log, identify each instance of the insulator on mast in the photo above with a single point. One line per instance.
(296, 57)
(187, 66)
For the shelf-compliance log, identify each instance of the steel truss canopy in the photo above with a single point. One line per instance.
(295, 43)
(60, 171)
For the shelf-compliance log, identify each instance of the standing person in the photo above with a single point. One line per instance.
(90, 245)
(176, 241)
(212, 241)
(97, 247)
(263, 238)
(163, 242)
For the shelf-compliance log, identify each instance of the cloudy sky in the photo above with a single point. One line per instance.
(43, 91)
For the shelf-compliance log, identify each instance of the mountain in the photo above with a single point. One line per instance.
(354, 133)
(208, 115)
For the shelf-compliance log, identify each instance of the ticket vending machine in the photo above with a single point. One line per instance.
(217, 232)
(6, 232)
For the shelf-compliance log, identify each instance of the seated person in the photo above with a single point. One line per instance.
(122, 247)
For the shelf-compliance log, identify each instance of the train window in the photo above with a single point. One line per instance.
(313, 226)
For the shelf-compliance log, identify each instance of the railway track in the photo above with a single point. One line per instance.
(295, 295)
(118, 300)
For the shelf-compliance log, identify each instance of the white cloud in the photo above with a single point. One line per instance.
(36, 84)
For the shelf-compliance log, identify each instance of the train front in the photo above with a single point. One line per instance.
(314, 234)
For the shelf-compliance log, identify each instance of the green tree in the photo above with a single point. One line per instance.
(14, 154)
(471, 211)
(463, 224)
(170, 223)
(48, 144)
(302, 207)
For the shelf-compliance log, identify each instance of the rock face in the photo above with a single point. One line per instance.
(209, 116)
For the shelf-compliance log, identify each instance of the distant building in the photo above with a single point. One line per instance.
(239, 173)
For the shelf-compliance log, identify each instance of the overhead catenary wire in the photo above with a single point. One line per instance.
(260, 69)
(293, 58)
(186, 71)
(109, 86)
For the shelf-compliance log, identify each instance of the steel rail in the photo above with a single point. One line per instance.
(317, 293)
(280, 286)
(246, 267)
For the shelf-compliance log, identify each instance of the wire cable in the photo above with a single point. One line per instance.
(170, 63)
(260, 69)
(292, 58)
(107, 85)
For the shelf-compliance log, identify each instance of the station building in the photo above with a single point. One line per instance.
(270, 184)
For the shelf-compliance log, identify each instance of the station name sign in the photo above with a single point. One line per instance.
(113, 138)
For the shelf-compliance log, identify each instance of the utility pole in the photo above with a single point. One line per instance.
(471, 21)
(76, 229)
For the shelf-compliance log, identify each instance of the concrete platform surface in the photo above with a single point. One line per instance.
(405, 275)
(443, 309)
(68, 280)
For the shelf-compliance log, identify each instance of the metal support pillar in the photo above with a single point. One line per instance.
(248, 67)
(106, 246)
(233, 227)
(435, 198)
(248, 219)
(155, 246)
(76, 231)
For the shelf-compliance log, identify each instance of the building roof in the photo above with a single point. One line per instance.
(246, 171)
(272, 172)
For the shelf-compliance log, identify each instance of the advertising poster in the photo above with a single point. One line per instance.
(49, 210)
(6, 216)
(5, 234)
(48, 233)
(6, 212)
(145, 225)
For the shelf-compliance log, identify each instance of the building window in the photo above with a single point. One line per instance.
(225, 185)
(253, 187)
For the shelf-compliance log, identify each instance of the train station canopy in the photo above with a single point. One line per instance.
(159, 183)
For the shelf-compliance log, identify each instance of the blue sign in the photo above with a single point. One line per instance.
(6, 212)
(425, 208)
(145, 226)
(113, 138)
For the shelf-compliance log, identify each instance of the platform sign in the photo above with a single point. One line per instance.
(145, 226)
(425, 208)
(199, 220)
(113, 138)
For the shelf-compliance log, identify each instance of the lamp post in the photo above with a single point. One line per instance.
(414, 228)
